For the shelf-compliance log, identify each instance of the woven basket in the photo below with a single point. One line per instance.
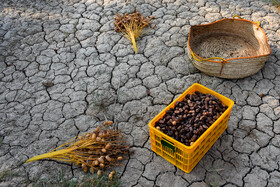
(240, 44)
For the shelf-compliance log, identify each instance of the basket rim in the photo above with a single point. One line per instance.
(226, 60)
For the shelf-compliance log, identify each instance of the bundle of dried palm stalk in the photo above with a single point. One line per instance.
(94, 151)
(132, 26)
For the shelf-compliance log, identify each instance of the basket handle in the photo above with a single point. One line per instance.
(223, 61)
(256, 22)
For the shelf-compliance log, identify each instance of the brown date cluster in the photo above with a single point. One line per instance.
(190, 118)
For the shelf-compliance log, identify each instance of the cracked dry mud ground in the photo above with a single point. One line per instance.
(72, 44)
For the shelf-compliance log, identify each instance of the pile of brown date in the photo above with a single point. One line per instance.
(191, 117)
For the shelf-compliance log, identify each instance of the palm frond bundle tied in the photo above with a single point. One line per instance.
(132, 26)
(95, 150)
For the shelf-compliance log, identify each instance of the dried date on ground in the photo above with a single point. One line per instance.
(190, 118)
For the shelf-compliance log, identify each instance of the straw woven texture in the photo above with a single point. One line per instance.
(240, 42)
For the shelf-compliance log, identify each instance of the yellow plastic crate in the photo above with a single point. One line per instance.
(182, 156)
